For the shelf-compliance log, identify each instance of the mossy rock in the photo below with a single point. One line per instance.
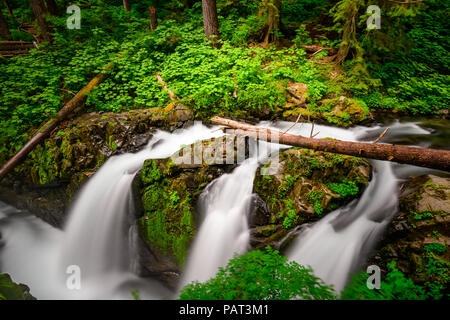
(343, 111)
(307, 185)
(9, 290)
(296, 94)
(54, 171)
(419, 235)
(169, 191)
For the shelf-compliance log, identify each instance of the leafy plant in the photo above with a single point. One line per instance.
(260, 275)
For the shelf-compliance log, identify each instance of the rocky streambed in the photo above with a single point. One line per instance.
(307, 186)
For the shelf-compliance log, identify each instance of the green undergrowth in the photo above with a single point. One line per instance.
(260, 275)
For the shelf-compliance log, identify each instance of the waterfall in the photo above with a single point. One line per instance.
(97, 234)
(224, 230)
(95, 237)
(338, 244)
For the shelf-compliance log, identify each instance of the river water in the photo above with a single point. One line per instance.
(95, 239)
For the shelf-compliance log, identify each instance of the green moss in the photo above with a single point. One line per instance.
(316, 198)
(305, 179)
(346, 189)
(168, 222)
(111, 143)
(12, 291)
(436, 248)
(433, 270)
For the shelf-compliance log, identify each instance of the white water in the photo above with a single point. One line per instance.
(224, 231)
(95, 237)
(339, 243)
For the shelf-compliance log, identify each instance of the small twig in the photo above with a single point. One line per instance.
(172, 95)
(234, 86)
(316, 52)
(381, 135)
(312, 130)
(68, 91)
(315, 134)
(296, 121)
(221, 128)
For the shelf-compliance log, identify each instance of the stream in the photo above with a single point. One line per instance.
(97, 236)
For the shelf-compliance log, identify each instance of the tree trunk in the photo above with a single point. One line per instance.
(210, 20)
(44, 131)
(153, 18)
(349, 30)
(39, 10)
(52, 7)
(8, 6)
(423, 157)
(273, 10)
(4, 30)
(126, 5)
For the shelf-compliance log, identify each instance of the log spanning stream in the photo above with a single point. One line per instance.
(98, 238)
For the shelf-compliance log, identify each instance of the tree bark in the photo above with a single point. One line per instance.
(39, 10)
(52, 7)
(8, 6)
(423, 157)
(44, 131)
(153, 18)
(210, 21)
(349, 31)
(4, 30)
(172, 95)
(126, 5)
(272, 24)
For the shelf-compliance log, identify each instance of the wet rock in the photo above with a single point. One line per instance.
(306, 186)
(297, 94)
(342, 112)
(9, 290)
(418, 237)
(53, 172)
(168, 192)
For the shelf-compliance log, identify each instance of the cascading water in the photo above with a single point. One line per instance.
(224, 231)
(338, 244)
(95, 237)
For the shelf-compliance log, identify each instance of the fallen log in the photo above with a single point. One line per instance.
(423, 157)
(49, 126)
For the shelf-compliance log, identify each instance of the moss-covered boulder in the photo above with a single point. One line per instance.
(9, 290)
(296, 95)
(54, 171)
(307, 186)
(419, 235)
(169, 190)
(342, 112)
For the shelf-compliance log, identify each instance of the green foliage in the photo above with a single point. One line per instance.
(345, 189)
(9, 290)
(394, 287)
(435, 248)
(260, 275)
(135, 294)
(435, 269)
(291, 217)
(302, 10)
(316, 198)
